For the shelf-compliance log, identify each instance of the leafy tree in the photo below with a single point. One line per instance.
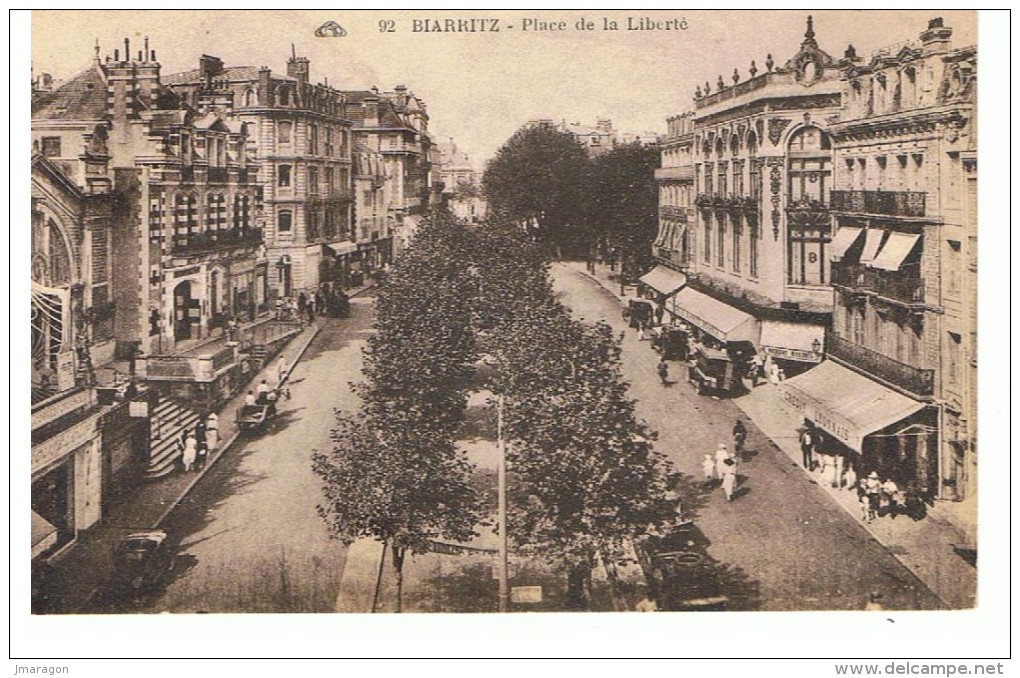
(394, 472)
(623, 201)
(537, 177)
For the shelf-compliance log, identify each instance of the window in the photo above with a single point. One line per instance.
(954, 262)
(720, 260)
(284, 131)
(51, 147)
(735, 257)
(284, 221)
(953, 375)
(708, 239)
(313, 180)
(752, 247)
(283, 176)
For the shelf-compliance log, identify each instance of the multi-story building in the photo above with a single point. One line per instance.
(395, 124)
(189, 253)
(371, 207)
(757, 155)
(300, 134)
(904, 265)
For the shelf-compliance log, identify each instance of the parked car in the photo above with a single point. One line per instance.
(714, 371)
(140, 561)
(682, 572)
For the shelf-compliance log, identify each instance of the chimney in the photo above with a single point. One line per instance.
(265, 87)
(147, 74)
(937, 36)
(371, 111)
(401, 98)
(208, 68)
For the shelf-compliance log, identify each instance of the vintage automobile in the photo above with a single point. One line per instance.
(672, 342)
(715, 371)
(679, 567)
(252, 418)
(640, 312)
(140, 561)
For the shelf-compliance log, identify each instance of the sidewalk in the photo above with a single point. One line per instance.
(924, 547)
(75, 577)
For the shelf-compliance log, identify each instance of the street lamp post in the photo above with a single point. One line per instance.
(504, 592)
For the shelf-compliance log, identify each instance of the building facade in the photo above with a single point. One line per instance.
(905, 274)
(756, 157)
(299, 133)
(395, 125)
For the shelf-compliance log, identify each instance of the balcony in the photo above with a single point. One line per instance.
(913, 379)
(685, 173)
(210, 241)
(673, 212)
(890, 203)
(888, 285)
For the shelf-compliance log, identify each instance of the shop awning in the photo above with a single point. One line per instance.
(44, 534)
(720, 320)
(871, 245)
(664, 280)
(895, 250)
(845, 237)
(847, 405)
(792, 341)
(341, 248)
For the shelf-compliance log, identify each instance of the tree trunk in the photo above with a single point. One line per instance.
(578, 587)
(398, 568)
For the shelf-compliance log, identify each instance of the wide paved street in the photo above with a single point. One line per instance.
(782, 544)
(251, 539)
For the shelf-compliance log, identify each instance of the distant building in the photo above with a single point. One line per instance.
(302, 137)
(395, 125)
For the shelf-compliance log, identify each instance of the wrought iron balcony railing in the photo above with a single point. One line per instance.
(891, 203)
(216, 240)
(918, 381)
(886, 284)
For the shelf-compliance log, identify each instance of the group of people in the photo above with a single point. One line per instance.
(197, 444)
(877, 497)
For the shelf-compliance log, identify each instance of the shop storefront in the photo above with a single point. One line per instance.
(720, 321)
(876, 428)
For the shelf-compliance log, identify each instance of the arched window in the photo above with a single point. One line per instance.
(809, 171)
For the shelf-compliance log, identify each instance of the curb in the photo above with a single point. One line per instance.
(226, 445)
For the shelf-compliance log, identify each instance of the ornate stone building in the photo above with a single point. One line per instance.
(905, 256)
(395, 125)
(299, 132)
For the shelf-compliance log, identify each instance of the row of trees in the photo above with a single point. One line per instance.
(544, 178)
(584, 475)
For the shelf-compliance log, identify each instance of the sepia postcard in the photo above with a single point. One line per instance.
(386, 311)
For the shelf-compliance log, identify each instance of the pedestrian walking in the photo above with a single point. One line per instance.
(729, 479)
(663, 370)
(708, 468)
(212, 432)
(739, 438)
(190, 452)
(807, 441)
(201, 443)
(721, 455)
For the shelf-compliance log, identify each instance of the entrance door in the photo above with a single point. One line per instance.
(183, 304)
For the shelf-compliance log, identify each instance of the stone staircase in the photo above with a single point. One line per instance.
(168, 420)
